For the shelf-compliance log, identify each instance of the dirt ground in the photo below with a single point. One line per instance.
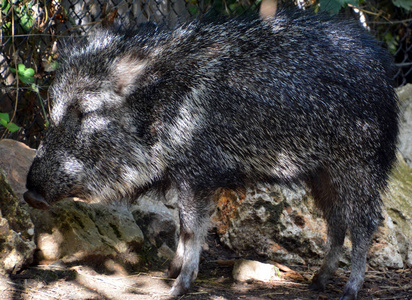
(214, 282)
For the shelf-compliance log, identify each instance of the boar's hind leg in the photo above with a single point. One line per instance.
(327, 199)
(347, 201)
(364, 221)
(336, 237)
(195, 211)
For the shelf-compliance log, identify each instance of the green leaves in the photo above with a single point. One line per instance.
(26, 19)
(22, 10)
(5, 121)
(26, 75)
(391, 42)
(5, 7)
(406, 4)
(333, 6)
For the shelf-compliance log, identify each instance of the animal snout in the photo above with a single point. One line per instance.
(36, 200)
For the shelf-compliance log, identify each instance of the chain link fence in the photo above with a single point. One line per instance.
(31, 29)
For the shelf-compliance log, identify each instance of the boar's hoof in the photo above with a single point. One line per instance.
(180, 286)
(315, 286)
(35, 200)
(349, 294)
(348, 297)
(177, 291)
(317, 283)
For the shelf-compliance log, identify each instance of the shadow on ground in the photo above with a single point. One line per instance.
(215, 282)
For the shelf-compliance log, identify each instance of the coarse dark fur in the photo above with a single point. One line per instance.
(297, 97)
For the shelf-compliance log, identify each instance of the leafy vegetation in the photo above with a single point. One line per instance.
(5, 121)
(334, 6)
(24, 74)
(22, 12)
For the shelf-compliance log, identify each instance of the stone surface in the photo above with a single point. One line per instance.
(282, 224)
(405, 136)
(76, 231)
(15, 159)
(247, 270)
(398, 206)
(16, 231)
(273, 221)
(157, 221)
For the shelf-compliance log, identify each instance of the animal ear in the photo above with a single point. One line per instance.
(127, 71)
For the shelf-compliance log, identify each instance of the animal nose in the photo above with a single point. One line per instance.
(35, 200)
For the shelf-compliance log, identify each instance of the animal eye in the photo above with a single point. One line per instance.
(111, 126)
(83, 114)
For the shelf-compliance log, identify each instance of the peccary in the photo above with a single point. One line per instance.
(295, 98)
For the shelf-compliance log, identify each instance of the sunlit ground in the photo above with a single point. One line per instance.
(214, 283)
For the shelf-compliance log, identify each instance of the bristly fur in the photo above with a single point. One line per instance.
(298, 97)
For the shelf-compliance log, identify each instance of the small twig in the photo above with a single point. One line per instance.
(163, 278)
(390, 288)
(17, 75)
(392, 297)
(15, 63)
(197, 293)
(366, 11)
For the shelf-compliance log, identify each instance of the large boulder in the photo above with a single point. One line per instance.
(76, 231)
(276, 222)
(283, 224)
(393, 247)
(398, 207)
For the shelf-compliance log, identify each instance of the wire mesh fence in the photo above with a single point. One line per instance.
(30, 30)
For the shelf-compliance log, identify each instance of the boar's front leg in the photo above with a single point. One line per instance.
(195, 209)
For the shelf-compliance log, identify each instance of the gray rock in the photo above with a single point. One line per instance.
(405, 134)
(277, 222)
(16, 231)
(282, 224)
(158, 222)
(15, 160)
(397, 230)
(75, 231)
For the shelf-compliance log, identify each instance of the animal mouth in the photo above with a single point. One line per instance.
(35, 200)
